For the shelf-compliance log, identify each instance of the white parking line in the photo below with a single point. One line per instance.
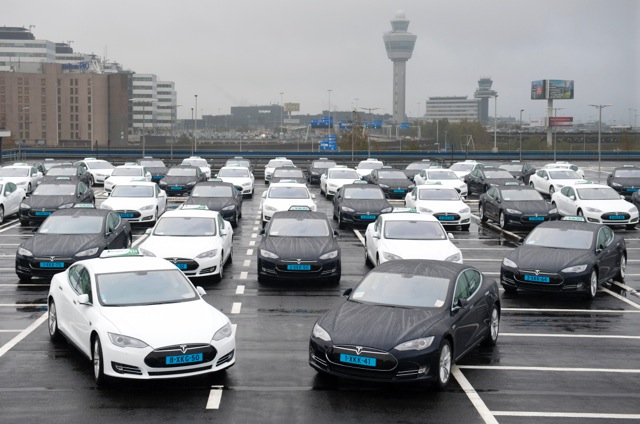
(473, 396)
(617, 296)
(240, 289)
(249, 252)
(215, 396)
(10, 227)
(357, 233)
(585, 311)
(550, 369)
(24, 285)
(244, 275)
(247, 262)
(10, 331)
(252, 243)
(254, 235)
(572, 336)
(566, 415)
(256, 228)
(17, 339)
(22, 305)
(235, 308)
(625, 287)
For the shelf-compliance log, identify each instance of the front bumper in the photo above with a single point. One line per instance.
(137, 216)
(34, 215)
(358, 218)
(528, 220)
(200, 267)
(558, 282)
(318, 269)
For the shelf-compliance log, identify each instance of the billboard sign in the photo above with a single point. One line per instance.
(292, 107)
(538, 90)
(560, 121)
(560, 89)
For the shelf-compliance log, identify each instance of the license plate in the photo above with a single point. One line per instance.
(42, 213)
(398, 191)
(536, 218)
(181, 266)
(183, 359)
(446, 218)
(51, 264)
(358, 360)
(537, 278)
(126, 215)
(296, 267)
(632, 189)
(176, 187)
(370, 217)
(616, 217)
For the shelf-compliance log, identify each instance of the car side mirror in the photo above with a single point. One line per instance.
(375, 235)
(215, 175)
(347, 292)
(622, 197)
(264, 195)
(313, 196)
(450, 235)
(148, 231)
(200, 291)
(460, 304)
(520, 241)
(83, 299)
(572, 197)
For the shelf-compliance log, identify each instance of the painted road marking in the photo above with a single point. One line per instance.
(571, 336)
(585, 311)
(215, 396)
(24, 333)
(473, 396)
(244, 275)
(247, 262)
(235, 309)
(240, 289)
(566, 415)
(256, 228)
(254, 235)
(252, 243)
(249, 252)
(617, 296)
(550, 369)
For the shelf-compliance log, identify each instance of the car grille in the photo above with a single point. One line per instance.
(528, 219)
(612, 217)
(554, 278)
(156, 359)
(314, 266)
(447, 217)
(50, 263)
(385, 362)
(126, 213)
(184, 264)
(41, 214)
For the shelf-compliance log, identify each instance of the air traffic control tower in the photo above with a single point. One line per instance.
(484, 92)
(399, 44)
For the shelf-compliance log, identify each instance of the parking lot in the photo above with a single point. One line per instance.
(558, 358)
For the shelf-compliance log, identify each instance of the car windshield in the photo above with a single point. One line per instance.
(564, 175)
(144, 287)
(324, 164)
(392, 175)
(438, 194)
(288, 192)
(465, 167)
(345, 174)
(75, 224)
(155, 163)
(368, 193)
(195, 162)
(299, 227)
(55, 190)
(100, 165)
(512, 167)
(442, 175)
(238, 162)
(234, 173)
(184, 226)
(627, 173)
(14, 172)
(127, 172)
(291, 173)
(597, 193)
(561, 238)
(413, 230)
(520, 195)
(182, 172)
(60, 171)
(370, 165)
(277, 163)
(418, 165)
(132, 191)
(405, 290)
(212, 191)
(497, 173)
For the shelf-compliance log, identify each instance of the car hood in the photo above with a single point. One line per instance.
(49, 202)
(180, 247)
(609, 205)
(171, 180)
(377, 326)
(61, 244)
(540, 207)
(450, 206)
(238, 181)
(396, 182)
(501, 181)
(121, 203)
(213, 203)
(341, 181)
(549, 259)
(160, 170)
(420, 249)
(304, 248)
(168, 324)
(366, 205)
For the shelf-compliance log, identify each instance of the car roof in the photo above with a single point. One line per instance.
(213, 183)
(362, 186)
(234, 167)
(426, 267)
(288, 185)
(120, 264)
(300, 214)
(137, 183)
(573, 225)
(408, 216)
(190, 213)
(81, 212)
(436, 186)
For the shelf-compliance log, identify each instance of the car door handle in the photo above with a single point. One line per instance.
(60, 287)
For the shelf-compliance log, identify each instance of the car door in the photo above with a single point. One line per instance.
(73, 317)
(371, 242)
(337, 201)
(161, 198)
(411, 198)
(542, 181)
(607, 253)
(225, 232)
(115, 233)
(85, 194)
(564, 201)
(13, 198)
(491, 204)
(467, 306)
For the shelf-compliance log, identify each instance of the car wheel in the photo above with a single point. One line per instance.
(494, 327)
(29, 188)
(230, 258)
(340, 222)
(98, 362)
(486, 188)
(234, 223)
(509, 289)
(129, 241)
(377, 260)
(23, 277)
(1, 214)
(445, 362)
(91, 181)
(52, 320)
(551, 190)
(531, 185)
(593, 285)
(483, 217)
(321, 190)
(502, 221)
(335, 280)
(622, 272)
(218, 277)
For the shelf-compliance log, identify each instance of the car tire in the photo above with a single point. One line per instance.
(340, 222)
(531, 185)
(218, 277)
(551, 191)
(483, 216)
(445, 363)
(234, 223)
(23, 277)
(502, 221)
(52, 322)
(230, 258)
(622, 272)
(98, 362)
(593, 285)
(580, 213)
(1, 214)
(335, 280)
(321, 191)
(29, 188)
(494, 327)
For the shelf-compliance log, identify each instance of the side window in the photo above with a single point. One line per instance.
(605, 236)
(221, 224)
(493, 193)
(377, 226)
(566, 191)
(82, 187)
(74, 277)
(474, 279)
(462, 289)
(113, 220)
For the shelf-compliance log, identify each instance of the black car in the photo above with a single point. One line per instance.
(288, 173)
(359, 205)
(63, 193)
(218, 196)
(566, 256)
(520, 170)
(317, 168)
(74, 171)
(240, 161)
(635, 199)
(480, 179)
(407, 320)
(625, 180)
(516, 205)
(414, 168)
(299, 245)
(156, 167)
(70, 235)
(181, 179)
(392, 181)
(50, 163)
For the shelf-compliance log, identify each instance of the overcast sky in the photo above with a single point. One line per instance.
(240, 52)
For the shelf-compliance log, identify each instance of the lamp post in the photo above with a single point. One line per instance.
(174, 113)
(370, 109)
(144, 119)
(194, 131)
(495, 124)
(555, 133)
(195, 127)
(521, 110)
(281, 133)
(329, 125)
(600, 107)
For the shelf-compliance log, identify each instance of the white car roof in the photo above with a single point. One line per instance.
(244, 168)
(137, 183)
(194, 212)
(126, 264)
(435, 187)
(408, 216)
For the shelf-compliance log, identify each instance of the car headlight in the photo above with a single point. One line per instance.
(126, 341)
(146, 252)
(346, 209)
(616, 185)
(594, 210)
(575, 268)
(208, 254)
(514, 212)
(465, 210)
(417, 344)
(509, 263)
(554, 210)
(314, 173)
(24, 252)
(425, 210)
(454, 258)
(246, 184)
(332, 185)
(390, 256)
(320, 333)
(224, 332)
(330, 255)
(383, 186)
(65, 206)
(411, 186)
(633, 210)
(147, 207)
(190, 183)
(162, 183)
(268, 254)
(229, 208)
(24, 206)
(270, 208)
(88, 252)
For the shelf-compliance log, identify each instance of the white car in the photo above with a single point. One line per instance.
(137, 201)
(408, 235)
(139, 318)
(197, 240)
(565, 165)
(239, 176)
(273, 164)
(125, 173)
(365, 167)
(445, 177)
(444, 203)
(462, 169)
(25, 176)
(10, 198)
(200, 163)
(98, 168)
(282, 196)
(597, 203)
(548, 181)
(334, 178)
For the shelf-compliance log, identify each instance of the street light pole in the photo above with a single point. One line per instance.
(174, 113)
(555, 132)
(195, 127)
(281, 117)
(521, 110)
(329, 130)
(194, 132)
(144, 119)
(370, 109)
(600, 107)
(495, 124)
